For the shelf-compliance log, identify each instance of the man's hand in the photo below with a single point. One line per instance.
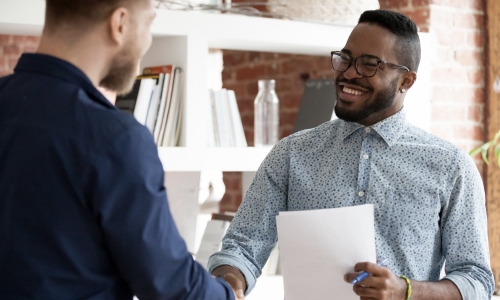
(380, 284)
(235, 279)
(236, 285)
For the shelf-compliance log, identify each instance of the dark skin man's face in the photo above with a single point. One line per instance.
(368, 100)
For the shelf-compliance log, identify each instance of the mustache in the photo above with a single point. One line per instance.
(354, 82)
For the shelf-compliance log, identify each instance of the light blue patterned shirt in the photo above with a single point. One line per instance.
(427, 195)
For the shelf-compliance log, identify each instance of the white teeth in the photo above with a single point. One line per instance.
(352, 92)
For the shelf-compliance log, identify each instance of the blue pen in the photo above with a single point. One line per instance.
(363, 275)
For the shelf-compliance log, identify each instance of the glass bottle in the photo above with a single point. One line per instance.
(266, 113)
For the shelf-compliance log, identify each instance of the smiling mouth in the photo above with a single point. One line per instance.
(351, 91)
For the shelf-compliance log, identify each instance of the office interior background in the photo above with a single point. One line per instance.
(464, 84)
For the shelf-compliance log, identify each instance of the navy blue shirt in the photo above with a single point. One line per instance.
(83, 208)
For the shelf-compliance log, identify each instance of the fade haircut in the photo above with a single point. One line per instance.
(80, 12)
(407, 45)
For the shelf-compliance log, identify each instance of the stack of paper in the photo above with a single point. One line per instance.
(319, 247)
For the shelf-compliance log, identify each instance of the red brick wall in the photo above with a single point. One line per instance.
(11, 47)
(458, 76)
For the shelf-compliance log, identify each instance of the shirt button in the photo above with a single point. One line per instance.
(365, 156)
(367, 129)
(361, 194)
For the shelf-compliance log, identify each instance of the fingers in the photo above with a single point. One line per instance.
(371, 268)
(236, 284)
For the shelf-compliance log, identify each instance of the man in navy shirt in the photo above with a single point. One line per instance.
(83, 208)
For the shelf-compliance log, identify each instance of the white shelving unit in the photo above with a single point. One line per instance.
(184, 38)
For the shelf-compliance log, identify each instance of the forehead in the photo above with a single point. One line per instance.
(371, 39)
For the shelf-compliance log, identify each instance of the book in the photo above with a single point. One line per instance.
(237, 125)
(155, 103)
(163, 106)
(213, 119)
(144, 99)
(317, 104)
(173, 115)
(137, 101)
(158, 70)
(223, 121)
(127, 102)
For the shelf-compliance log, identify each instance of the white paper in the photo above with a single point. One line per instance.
(318, 247)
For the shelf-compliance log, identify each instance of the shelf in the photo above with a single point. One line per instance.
(187, 159)
(224, 31)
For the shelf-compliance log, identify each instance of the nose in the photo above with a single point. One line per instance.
(351, 72)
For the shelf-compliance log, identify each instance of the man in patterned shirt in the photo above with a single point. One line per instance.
(427, 194)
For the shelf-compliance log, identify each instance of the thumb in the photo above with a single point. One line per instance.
(236, 285)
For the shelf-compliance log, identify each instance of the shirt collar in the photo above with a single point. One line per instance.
(390, 129)
(55, 67)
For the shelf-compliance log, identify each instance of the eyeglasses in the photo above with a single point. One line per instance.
(366, 65)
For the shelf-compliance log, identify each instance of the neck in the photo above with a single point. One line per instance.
(87, 52)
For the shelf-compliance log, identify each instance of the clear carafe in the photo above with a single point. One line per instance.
(266, 107)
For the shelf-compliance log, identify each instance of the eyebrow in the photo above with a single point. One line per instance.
(346, 51)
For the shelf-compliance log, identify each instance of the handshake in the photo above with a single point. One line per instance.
(234, 278)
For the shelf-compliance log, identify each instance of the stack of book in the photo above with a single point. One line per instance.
(225, 128)
(156, 102)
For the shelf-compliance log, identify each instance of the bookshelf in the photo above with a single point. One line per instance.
(184, 38)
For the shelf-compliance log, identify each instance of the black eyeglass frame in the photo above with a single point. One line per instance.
(379, 61)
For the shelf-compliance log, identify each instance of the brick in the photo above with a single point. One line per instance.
(440, 16)
(254, 57)
(246, 106)
(273, 69)
(476, 39)
(266, 56)
(420, 3)
(238, 88)
(451, 3)
(29, 49)
(450, 36)
(420, 16)
(476, 5)
(468, 20)
(18, 39)
(252, 89)
(33, 40)
(476, 77)
(4, 73)
(291, 101)
(475, 132)
(476, 113)
(233, 57)
(449, 113)
(3, 65)
(444, 54)
(288, 117)
(394, 4)
(449, 75)
(443, 131)
(256, 72)
(13, 63)
(5, 40)
(470, 57)
(12, 50)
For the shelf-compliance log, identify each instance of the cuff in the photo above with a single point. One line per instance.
(219, 259)
(469, 289)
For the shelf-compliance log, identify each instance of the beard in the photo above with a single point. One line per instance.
(122, 71)
(382, 100)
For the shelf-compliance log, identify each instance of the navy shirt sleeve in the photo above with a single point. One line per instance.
(129, 200)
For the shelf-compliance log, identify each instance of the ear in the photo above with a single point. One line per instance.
(407, 81)
(119, 25)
